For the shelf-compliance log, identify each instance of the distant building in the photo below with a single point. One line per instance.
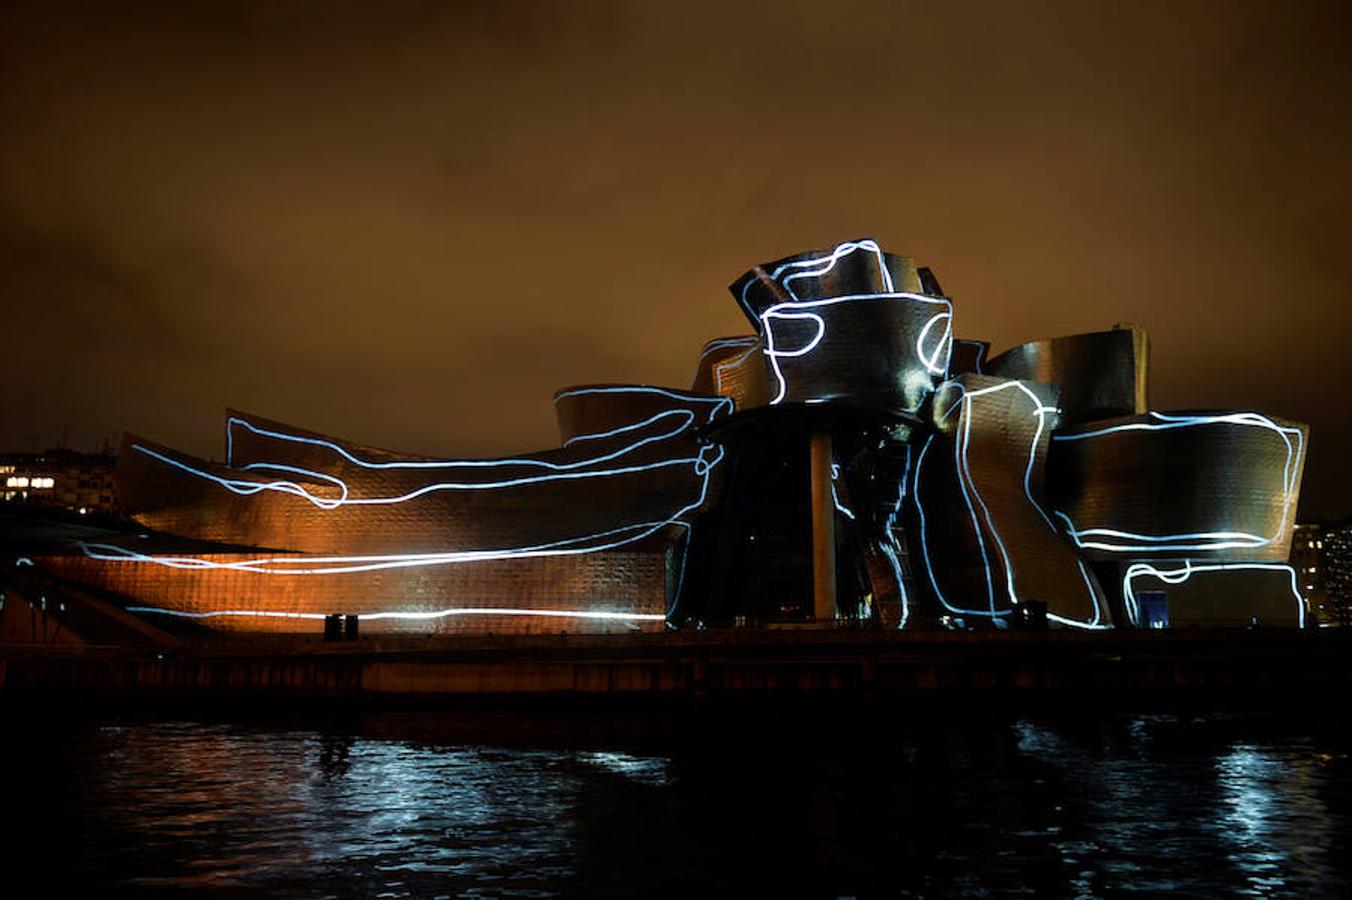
(1307, 550)
(1336, 565)
(64, 479)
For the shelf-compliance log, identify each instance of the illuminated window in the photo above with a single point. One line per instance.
(16, 481)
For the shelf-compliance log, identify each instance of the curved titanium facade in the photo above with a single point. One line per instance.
(988, 540)
(618, 590)
(1213, 486)
(1101, 374)
(289, 489)
(734, 367)
(851, 267)
(852, 459)
(591, 533)
(848, 325)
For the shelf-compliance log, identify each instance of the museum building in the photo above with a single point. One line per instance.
(851, 462)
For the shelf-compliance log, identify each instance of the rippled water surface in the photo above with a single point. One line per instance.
(780, 802)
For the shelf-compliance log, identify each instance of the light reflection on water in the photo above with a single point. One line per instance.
(847, 803)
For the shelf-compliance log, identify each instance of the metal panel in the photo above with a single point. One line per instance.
(596, 534)
(1210, 486)
(849, 267)
(986, 536)
(612, 591)
(848, 325)
(1101, 374)
(734, 367)
(294, 490)
(584, 529)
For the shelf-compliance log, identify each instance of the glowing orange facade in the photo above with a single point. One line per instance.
(966, 490)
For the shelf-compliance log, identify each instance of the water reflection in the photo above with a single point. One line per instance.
(1272, 814)
(845, 803)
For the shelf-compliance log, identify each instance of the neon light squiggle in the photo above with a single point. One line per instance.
(687, 417)
(556, 471)
(970, 492)
(702, 465)
(1116, 541)
(413, 615)
(891, 555)
(717, 405)
(841, 250)
(800, 310)
(343, 565)
(1180, 575)
(246, 487)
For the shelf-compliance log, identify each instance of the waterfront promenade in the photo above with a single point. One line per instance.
(823, 663)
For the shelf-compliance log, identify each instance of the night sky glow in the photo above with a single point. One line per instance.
(410, 223)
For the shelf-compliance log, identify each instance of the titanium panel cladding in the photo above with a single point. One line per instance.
(734, 367)
(987, 536)
(296, 491)
(664, 504)
(1208, 486)
(610, 591)
(848, 325)
(1101, 374)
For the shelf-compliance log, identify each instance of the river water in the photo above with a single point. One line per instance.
(773, 802)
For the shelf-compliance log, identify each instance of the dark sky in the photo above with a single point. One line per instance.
(408, 224)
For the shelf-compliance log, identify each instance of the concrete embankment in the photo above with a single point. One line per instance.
(826, 663)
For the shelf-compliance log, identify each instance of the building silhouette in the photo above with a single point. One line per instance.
(851, 461)
(61, 479)
(1336, 568)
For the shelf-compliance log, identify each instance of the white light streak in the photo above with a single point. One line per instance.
(806, 310)
(412, 615)
(970, 492)
(1117, 541)
(1188, 569)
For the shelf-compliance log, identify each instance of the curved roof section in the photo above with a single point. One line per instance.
(1101, 374)
(255, 440)
(850, 267)
(848, 324)
(987, 539)
(733, 367)
(296, 490)
(592, 413)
